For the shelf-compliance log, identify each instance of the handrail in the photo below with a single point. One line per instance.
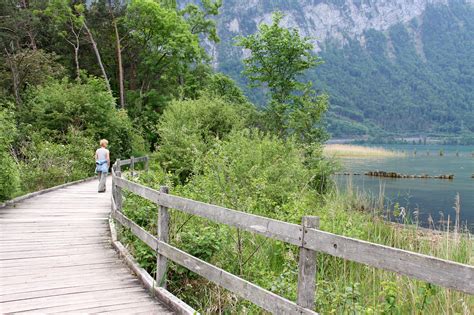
(307, 236)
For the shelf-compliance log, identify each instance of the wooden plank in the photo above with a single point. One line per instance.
(141, 159)
(50, 246)
(12, 272)
(53, 240)
(44, 264)
(67, 259)
(48, 236)
(137, 230)
(51, 253)
(47, 292)
(150, 307)
(79, 298)
(307, 268)
(82, 308)
(26, 287)
(124, 162)
(49, 220)
(283, 231)
(243, 288)
(115, 273)
(45, 279)
(427, 268)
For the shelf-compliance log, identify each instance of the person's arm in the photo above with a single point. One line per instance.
(108, 158)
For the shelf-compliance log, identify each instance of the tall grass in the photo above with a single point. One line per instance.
(386, 292)
(356, 151)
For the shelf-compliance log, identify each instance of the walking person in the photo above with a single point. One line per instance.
(102, 163)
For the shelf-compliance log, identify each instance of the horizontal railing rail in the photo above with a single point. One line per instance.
(307, 236)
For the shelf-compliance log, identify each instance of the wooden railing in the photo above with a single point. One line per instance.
(307, 236)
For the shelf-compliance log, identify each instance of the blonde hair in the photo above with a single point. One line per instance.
(103, 142)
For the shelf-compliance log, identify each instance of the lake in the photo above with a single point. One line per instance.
(433, 197)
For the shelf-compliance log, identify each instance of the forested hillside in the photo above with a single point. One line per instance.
(390, 68)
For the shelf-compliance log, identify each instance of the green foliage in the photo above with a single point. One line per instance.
(198, 18)
(45, 163)
(279, 57)
(9, 176)
(224, 87)
(189, 128)
(28, 68)
(68, 18)
(163, 40)
(257, 173)
(85, 106)
(203, 243)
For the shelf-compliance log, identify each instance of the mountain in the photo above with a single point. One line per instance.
(391, 67)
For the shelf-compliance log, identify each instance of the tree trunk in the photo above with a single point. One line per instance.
(120, 67)
(97, 54)
(76, 60)
(15, 76)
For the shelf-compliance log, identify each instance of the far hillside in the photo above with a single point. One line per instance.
(397, 68)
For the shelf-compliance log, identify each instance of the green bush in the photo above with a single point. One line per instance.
(9, 176)
(85, 106)
(256, 173)
(47, 164)
(189, 128)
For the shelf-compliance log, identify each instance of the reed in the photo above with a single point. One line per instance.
(357, 151)
(355, 288)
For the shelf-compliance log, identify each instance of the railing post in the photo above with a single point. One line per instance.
(147, 163)
(118, 190)
(163, 236)
(307, 267)
(132, 166)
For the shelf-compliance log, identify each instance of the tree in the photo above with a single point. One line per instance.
(189, 128)
(29, 67)
(198, 18)
(68, 25)
(19, 27)
(162, 40)
(70, 21)
(279, 58)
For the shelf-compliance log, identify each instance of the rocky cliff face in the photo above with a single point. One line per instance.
(325, 20)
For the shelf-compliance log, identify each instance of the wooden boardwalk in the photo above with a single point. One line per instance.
(56, 257)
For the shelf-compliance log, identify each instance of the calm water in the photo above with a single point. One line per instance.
(429, 196)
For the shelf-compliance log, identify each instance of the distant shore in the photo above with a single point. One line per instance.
(347, 150)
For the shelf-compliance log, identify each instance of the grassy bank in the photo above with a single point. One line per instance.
(356, 151)
(343, 287)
